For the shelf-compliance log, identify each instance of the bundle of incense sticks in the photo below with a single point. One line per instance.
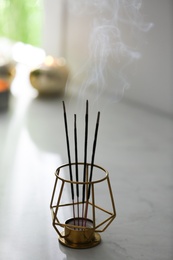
(85, 196)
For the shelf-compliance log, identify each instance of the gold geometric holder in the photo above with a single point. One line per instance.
(78, 221)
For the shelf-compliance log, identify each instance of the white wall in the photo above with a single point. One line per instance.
(150, 78)
(153, 80)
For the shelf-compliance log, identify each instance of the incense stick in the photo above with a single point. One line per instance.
(76, 161)
(85, 169)
(85, 155)
(69, 157)
(93, 153)
(92, 164)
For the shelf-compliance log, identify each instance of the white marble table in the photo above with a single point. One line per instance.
(134, 145)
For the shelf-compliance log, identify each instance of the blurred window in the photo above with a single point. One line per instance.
(21, 20)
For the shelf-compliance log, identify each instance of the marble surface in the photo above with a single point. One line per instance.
(134, 145)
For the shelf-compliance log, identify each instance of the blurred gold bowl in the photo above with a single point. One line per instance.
(50, 77)
(7, 73)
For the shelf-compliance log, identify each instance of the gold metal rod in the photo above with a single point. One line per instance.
(104, 210)
(54, 188)
(55, 217)
(70, 204)
(86, 182)
(93, 211)
(59, 198)
(111, 194)
(106, 220)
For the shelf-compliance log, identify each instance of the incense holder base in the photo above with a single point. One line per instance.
(77, 236)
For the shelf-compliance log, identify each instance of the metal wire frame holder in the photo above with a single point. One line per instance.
(81, 235)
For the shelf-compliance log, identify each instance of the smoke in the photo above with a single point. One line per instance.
(113, 43)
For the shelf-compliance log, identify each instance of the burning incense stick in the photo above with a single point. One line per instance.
(92, 164)
(93, 152)
(69, 157)
(85, 155)
(76, 161)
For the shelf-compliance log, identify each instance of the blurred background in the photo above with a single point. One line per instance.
(53, 26)
(119, 56)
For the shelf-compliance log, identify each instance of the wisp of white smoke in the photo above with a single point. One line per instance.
(109, 54)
